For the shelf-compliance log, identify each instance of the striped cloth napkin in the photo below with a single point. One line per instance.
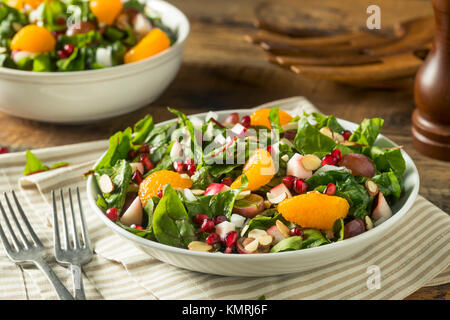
(416, 252)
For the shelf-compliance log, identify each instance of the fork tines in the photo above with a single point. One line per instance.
(26, 243)
(74, 243)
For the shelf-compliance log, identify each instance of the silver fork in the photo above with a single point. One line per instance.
(26, 251)
(73, 254)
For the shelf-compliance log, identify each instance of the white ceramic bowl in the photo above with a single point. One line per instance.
(85, 96)
(253, 265)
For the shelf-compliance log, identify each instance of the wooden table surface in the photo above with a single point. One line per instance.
(221, 71)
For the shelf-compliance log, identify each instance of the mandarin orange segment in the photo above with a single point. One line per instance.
(259, 170)
(314, 210)
(153, 43)
(106, 11)
(33, 38)
(157, 180)
(261, 118)
(19, 4)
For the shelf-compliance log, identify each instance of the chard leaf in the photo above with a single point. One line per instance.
(313, 238)
(367, 132)
(330, 122)
(120, 175)
(387, 159)
(119, 146)
(171, 223)
(288, 244)
(33, 164)
(201, 179)
(142, 129)
(310, 141)
(388, 184)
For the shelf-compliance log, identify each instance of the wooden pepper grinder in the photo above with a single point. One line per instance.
(431, 118)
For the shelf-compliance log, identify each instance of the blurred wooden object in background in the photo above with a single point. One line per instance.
(325, 40)
(431, 119)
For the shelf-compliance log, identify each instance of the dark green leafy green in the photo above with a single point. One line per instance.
(338, 229)
(330, 122)
(33, 164)
(313, 238)
(310, 141)
(171, 223)
(367, 132)
(387, 159)
(388, 184)
(119, 146)
(120, 175)
(201, 179)
(288, 244)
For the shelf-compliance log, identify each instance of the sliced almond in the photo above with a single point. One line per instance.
(252, 246)
(338, 137)
(369, 223)
(199, 246)
(265, 240)
(276, 199)
(256, 233)
(372, 188)
(285, 158)
(185, 176)
(106, 184)
(349, 143)
(267, 204)
(327, 132)
(197, 192)
(284, 230)
(311, 162)
(244, 230)
(242, 194)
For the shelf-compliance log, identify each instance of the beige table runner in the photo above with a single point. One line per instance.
(414, 254)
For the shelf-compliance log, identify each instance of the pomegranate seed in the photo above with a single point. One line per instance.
(179, 166)
(219, 219)
(212, 239)
(296, 232)
(331, 189)
(4, 150)
(137, 177)
(112, 214)
(329, 159)
(199, 217)
(132, 154)
(191, 169)
(231, 239)
(246, 122)
(337, 155)
(60, 21)
(144, 149)
(160, 193)
(62, 54)
(290, 134)
(227, 180)
(207, 225)
(346, 134)
(300, 186)
(289, 181)
(146, 162)
(138, 227)
(68, 49)
(229, 250)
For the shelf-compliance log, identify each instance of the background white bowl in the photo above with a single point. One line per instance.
(253, 265)
(84, 96)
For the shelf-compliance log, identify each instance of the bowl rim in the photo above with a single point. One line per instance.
(359, 239)
(179, 43)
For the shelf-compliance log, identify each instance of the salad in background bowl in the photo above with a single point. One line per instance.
(316, 188)
(83, 61)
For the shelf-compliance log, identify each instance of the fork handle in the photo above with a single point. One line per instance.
(60, 289)
(77, 281)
